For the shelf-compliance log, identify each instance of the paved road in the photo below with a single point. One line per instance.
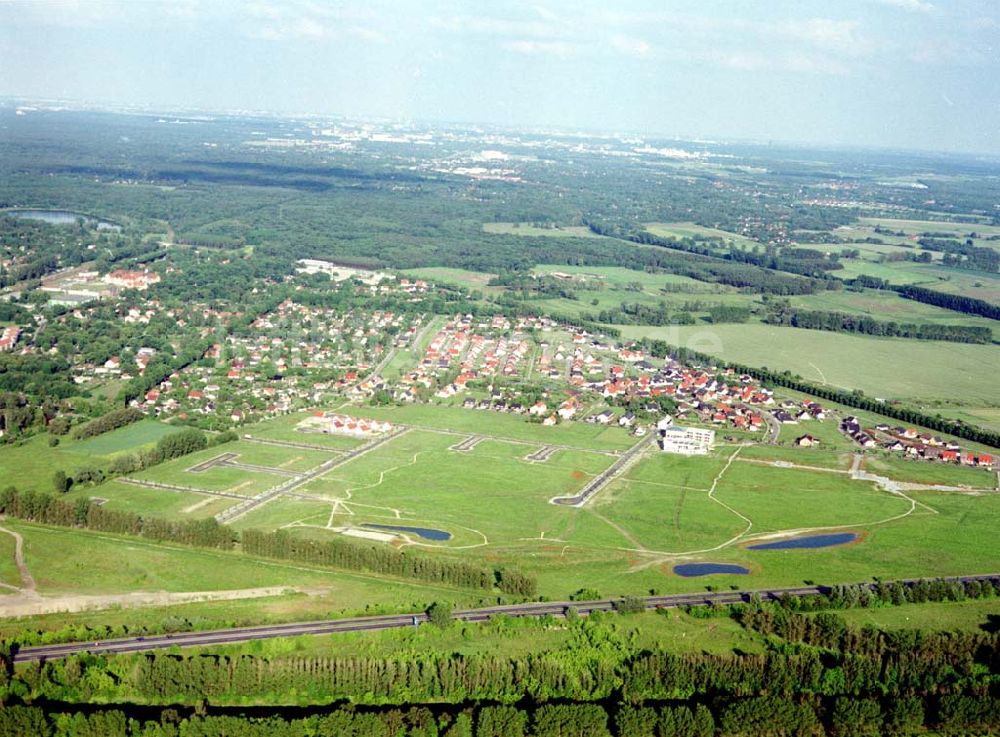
(228, 515)
(773, 428)
(290, 444)
(602, 479)
(392, 621)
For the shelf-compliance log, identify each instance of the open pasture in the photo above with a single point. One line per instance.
(531, 230)
(693, 230)
(143, 433)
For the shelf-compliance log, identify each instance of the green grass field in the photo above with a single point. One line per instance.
(887, 306)
(690, 230)
(527, 229)
(969, 616)
(882, 367)
(458, 420)
(138, 434)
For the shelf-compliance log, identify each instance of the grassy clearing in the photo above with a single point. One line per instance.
(487, 494)
(882, 367)
(527, 229)
(666, 518)
(8, 568)
(988, 417)
(789, 498)
(273, 456)
(31, 464)
(825, 458)
(70, 561)
(692, 230)
(887, 306)
(927, 472)
(155, 502)
(461, 277)
(495, 424)
(969, 616)
(136, 435)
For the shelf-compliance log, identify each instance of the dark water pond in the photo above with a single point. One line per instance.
(424, 532)
(690, 570)
(61, 217)
(811, 541)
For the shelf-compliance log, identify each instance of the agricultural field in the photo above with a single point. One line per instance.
(915, 371)
(462, 277)
(693, 230)
(31, 463)
(887, 306)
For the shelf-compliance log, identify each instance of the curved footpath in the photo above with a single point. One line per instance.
(392, 621)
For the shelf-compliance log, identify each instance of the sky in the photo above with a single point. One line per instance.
(912, 74)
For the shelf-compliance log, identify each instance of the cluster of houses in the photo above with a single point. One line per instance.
(125, 279)
(912, 443)
(295, 356)
(9, 337)
(332, 423)
(480, 348)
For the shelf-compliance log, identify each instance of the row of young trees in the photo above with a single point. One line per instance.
(109, 421)
(848, 398)
(340, 553)
(842, 322)
(337, 553)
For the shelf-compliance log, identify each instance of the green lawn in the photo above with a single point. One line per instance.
(882, 367)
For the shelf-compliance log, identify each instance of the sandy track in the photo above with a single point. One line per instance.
(21, 605)
(27, 580)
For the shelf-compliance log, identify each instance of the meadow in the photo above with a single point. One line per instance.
(528, 229)
(691, 230)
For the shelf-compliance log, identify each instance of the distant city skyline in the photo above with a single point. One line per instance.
(905, 74)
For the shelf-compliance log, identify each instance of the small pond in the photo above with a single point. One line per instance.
(424, 532)
(810, 541)
(690, 570)
(61, 217)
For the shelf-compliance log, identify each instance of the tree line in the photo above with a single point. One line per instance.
(957, 302)
(841, 322)
(337, 553)
(112, 420)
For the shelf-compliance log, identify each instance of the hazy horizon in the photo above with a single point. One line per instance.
(887, 74)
